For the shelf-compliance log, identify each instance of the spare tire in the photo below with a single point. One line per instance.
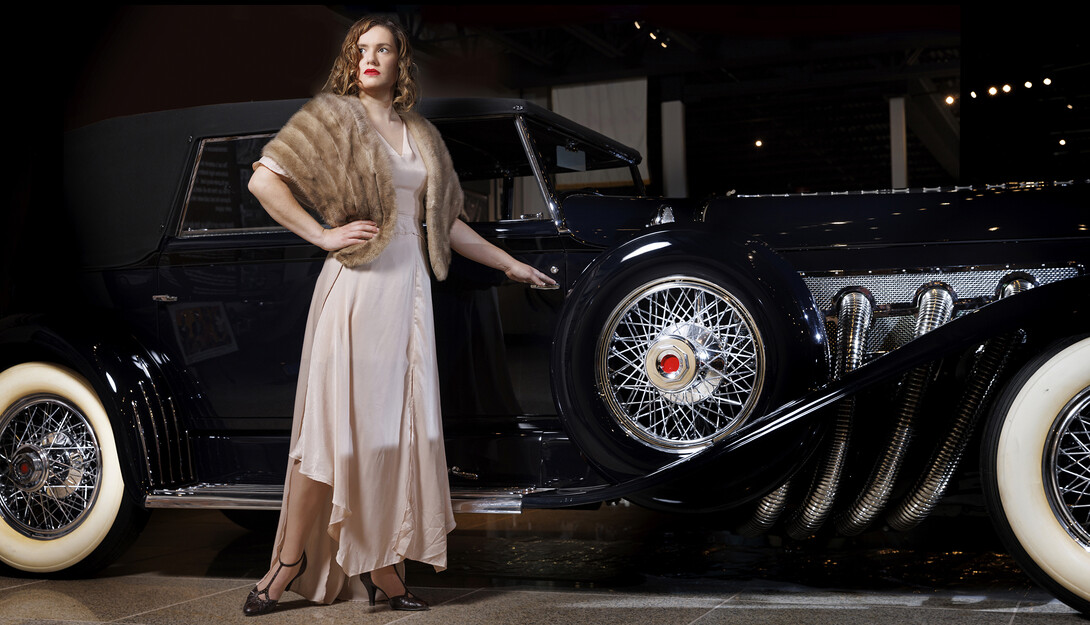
(671, 342)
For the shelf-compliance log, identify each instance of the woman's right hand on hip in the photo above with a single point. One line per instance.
(350, 233)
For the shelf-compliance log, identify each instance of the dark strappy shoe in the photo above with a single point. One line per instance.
(258, 604)
(407, 601)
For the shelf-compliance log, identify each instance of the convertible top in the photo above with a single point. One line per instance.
(124, 176)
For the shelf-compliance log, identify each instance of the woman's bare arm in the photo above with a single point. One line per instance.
(468, 243)
(275, 196)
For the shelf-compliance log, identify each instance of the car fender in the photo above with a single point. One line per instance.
(128, 375)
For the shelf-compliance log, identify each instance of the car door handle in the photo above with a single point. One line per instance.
(461, 473)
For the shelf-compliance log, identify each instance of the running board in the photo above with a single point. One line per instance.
(269, 497)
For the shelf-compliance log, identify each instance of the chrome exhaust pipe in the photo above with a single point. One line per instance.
(935, 302)
(931, 487)
(855, 312)
(767, 512)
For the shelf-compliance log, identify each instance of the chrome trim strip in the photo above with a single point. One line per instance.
(142, 438)
(183, 434)
(490, 500)
(223, 232)
(1005, 186)
(270, 497)
(539, 174)
(158, 446)
(158, 414)
(218, 496)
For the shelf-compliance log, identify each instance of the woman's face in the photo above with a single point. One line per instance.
(378, 61)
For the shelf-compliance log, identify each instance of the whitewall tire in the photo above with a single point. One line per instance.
(61, 487)
(1036, 470)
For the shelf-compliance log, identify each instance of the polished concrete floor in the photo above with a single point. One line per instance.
(618, 564)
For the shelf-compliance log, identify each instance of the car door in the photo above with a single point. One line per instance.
(234, 292)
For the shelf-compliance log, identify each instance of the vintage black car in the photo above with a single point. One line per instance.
(814, 363)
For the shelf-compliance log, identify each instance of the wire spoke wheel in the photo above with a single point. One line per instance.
(1035, 469)
(1067, 468)
(679, 363)
(63, 507)
(49, 466)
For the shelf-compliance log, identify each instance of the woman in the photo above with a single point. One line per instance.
(366, 486)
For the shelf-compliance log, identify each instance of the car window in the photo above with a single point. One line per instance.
(573, 163)
(217, 200)
(493, 168)
(499, 199)
(498, 179)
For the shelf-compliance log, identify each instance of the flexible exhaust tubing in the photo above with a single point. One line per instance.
(767, 512)
(855, 312)
(931, 487)
(935, 303)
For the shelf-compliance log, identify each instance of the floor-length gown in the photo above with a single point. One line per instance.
(367, 416)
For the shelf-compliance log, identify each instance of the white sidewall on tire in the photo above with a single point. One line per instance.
(44, 556)
(1018, 470)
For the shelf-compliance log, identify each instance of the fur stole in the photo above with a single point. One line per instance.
(336, 165)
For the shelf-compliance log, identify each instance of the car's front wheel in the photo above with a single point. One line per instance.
(62, 496)
(1036, 469)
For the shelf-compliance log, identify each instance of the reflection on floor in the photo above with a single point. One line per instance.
(618, 564)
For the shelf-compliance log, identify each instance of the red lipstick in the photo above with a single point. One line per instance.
(371, 72)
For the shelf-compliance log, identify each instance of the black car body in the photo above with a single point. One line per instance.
(822, 361)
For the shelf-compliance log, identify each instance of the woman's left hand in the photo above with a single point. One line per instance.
(521, 272)
(473, 246)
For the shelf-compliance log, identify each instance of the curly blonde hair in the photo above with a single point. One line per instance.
(344, 77)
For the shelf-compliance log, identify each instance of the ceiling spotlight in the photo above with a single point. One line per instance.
(1063, 142)
(1028, 85)
(949, 99)
(758, 143)
(1006, 88)
(653, 36)
(972, 94)
(662, 43)
(992, 91)
(637, 25)
(1047, 81)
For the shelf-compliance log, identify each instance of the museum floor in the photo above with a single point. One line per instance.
(619, 564)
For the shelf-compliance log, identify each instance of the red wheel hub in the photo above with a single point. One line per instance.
(670, 364)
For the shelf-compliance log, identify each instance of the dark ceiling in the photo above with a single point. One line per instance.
(813, 82)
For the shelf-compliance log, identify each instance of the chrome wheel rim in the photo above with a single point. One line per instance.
(49, 466)
(1067, 467)
(679, 364)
